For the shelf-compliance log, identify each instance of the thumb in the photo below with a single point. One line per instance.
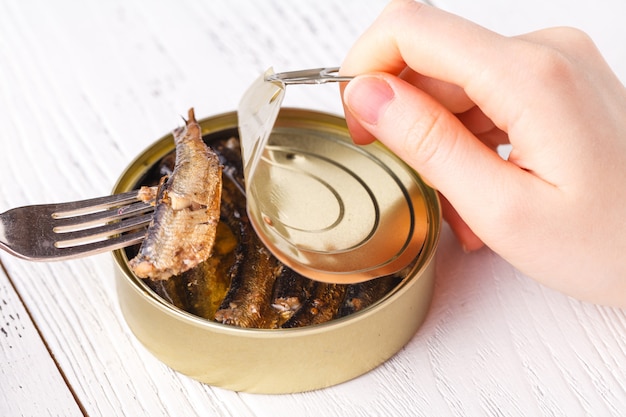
(435, 143)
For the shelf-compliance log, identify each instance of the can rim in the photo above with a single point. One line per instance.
(287, 117)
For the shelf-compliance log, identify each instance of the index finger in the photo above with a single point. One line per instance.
(433, 43)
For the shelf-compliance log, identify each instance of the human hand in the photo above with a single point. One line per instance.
(443, 93)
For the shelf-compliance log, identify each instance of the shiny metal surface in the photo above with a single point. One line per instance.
(61, 231)
(329, 209)
(308, 76)
(282, 360)
(335, 211)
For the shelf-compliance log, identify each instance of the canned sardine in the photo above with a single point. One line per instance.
(199, 333)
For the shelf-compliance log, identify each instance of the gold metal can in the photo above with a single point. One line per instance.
(282, 360)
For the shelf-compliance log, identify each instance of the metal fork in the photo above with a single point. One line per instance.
(70, 230)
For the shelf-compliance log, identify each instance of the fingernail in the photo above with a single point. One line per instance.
(367, 97)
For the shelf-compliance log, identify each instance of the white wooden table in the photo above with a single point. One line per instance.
(85, 86)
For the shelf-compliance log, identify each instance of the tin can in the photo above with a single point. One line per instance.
(282, 360)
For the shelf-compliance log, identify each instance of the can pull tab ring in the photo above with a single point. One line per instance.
(309, 76)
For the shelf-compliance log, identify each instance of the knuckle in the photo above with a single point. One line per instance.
(559, 61)
(575, 38)
(553, 66)
(422, 139)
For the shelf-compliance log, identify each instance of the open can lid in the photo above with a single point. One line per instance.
(329, 209)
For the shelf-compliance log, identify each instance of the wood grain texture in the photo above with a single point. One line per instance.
(26, 363)
(85, 86)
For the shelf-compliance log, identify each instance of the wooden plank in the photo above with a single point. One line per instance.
(30, 382)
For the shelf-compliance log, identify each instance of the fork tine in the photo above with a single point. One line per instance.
(85, 236)
(68, 224)
(100, 246)
(47, 232)
(94, 204)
